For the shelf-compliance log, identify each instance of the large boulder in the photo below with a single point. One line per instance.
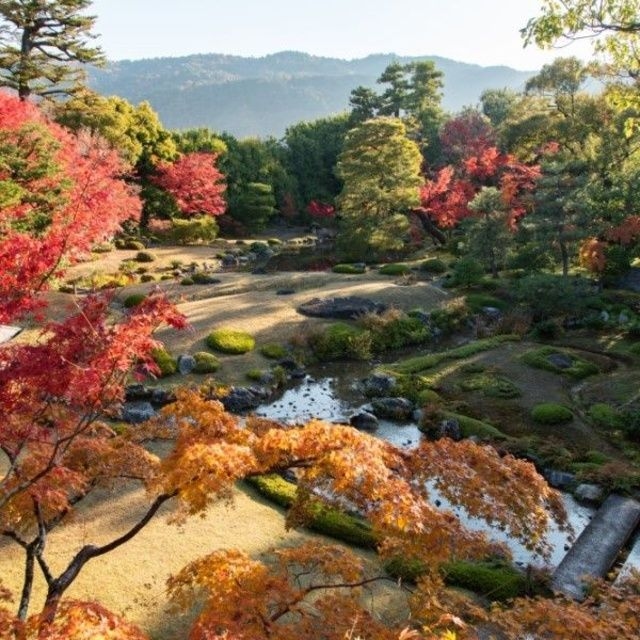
(392, 408)
(347, 308)
(378, 385)
(240, 399)
(136, 412)
(186, 364)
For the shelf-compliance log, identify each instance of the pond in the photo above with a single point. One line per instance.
(335, 398)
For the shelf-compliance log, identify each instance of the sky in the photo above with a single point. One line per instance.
(484, 32)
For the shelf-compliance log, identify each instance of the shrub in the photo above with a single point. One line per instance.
(394, 269)
(196, 229)
(394, 329)
(349, 268)
(187, 281)
(144, 256)
(433, 265)
(255, 374)
(491, 385)
(133, 300)
(341, 341)
(204, 278)
(605, 416)
(102, 247)
(473, 427)
(477, 301)
(205, 362)
(547, 329)
(551, 413)
(466, 272)
(273, 351)
(167, 364)
(133, 244)
(147, 277)
(451, 316)
(230, 341)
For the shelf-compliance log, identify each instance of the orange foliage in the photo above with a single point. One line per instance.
(592, 255)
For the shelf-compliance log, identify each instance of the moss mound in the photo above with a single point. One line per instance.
(230, 341)
(205, 362)
(551, 413)
(349, 268)
(273, 351)
(394, 269)
(433, 265)
(548, 357)
(144, 256)
(133, 300)
(167, 364)
(493, 580)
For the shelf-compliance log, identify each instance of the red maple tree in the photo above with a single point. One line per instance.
(196, 184)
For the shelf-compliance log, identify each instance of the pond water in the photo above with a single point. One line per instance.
(337, 397)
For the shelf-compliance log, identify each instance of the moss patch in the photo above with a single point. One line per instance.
(133, 300)
(327, 520)
(205, 362)
(551, 413)
(543, 359)
(395, 269)
(493, 580)
(230, 341)
(273, 351)
(349, 268)
(167, 364)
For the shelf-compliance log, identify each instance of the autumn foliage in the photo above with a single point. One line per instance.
(195, 183)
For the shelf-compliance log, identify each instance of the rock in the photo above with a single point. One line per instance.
(423, 316)
(241, 399)
(492, 313)
(589, 493)
(604, 316)
(559, 479)
(162, 397)
(136, 392)
(378, 385)
(186, 364)
(623, 318)
(417, 416)
(560, 360)
(136, 412)
(393, 408)
(364, 420)
(259, 271)
(450, 429)
(229, 261)
(347, 308)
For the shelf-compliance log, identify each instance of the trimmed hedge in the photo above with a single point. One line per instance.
(231, 341)
(133, 300)
(433, 265)
(551, 413)
(394, 269)
(144, 256)
(349, 268)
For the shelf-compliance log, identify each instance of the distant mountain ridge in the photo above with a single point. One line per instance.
(263, 96)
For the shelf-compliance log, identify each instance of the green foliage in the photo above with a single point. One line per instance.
(605, 416)
(133, 300)
(349, 268)
(199, 277)
(494, 580)
(230, 341)
(466, 272)
(547, 296)
(579, 369)
(102, 247)
(392, 269)
(274, 351)
(394, 330)
(491, 385)
(255, 374)
(133, 244)
(431, 360)
(380, 168)
(253, 206)
(144, 256)
(476, 301)
(323, 519)
(194, 230)
(471, 427)
(551, 413)
(205, 362)
(433, 265)
(341, 341)
(167, 364)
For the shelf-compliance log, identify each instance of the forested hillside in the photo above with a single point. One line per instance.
(263, 96)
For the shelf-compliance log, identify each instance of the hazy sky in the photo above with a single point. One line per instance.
(485, 32)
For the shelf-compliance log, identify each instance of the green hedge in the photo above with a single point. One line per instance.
(551, 413)
(394, 269)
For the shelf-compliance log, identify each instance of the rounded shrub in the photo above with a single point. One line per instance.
(133, 244)
(187, 281)
(433, 265)
(273, 351)
(230, 341)
(204, 278)
(604, 415)
(147, 277)
(551, 413)
(144, 256)
(394, 269)
(205, 362)
(103, 247)
(133, 300)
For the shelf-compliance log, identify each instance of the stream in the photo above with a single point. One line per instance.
(334, 397)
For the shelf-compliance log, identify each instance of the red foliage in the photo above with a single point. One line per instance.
(469, 134)
(60, 195)
(446, 198)
(196, 184)
(320, 209)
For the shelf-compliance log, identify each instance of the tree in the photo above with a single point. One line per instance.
(380, 168)
(58, 196)
(254, 207)
(195, 183)
(468, 134)
(496, 104)
(43, 43)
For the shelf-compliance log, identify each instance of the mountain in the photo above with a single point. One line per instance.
(263, 96)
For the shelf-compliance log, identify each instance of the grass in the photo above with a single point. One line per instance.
(579, 369)
(431, 360)
(491, 385)
(230, 341)
(323, 519)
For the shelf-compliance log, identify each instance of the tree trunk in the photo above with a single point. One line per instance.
(429, 227)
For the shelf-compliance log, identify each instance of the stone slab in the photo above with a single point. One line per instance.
(597, 547)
